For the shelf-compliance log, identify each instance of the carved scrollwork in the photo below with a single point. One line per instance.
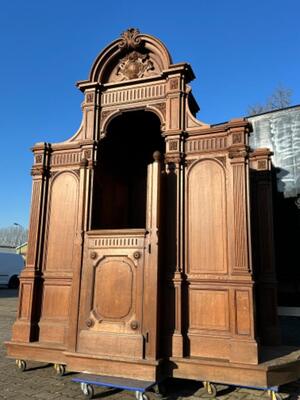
(39, 158)
(90, 97)
(134, 65)
(160, 107)
(173, 83)
(238, 153)
(173, 145)
(222, 160)
(39, 170)
(87, 154)
(262, 164)
(236, 138)
(130, 39)
(173, 158)
(105, 114)
(189, 162)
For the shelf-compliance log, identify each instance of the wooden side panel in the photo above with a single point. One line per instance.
(207, 237)
(243, 309)
(34, 217)
(56, 302)
(55, 311)
(60, 252)
(25, 300)
(62, 222)
(209, 310)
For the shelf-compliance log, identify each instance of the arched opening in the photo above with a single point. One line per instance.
(120, 189)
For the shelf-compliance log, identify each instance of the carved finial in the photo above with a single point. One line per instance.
(130, 39)
(157, 156)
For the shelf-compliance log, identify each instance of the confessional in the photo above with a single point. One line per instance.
(150, 246)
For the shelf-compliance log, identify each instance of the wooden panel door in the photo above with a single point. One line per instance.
(118, 306)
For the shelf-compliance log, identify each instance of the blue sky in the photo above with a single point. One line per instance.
(240, 52)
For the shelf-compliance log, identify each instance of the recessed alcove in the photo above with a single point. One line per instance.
(121, 174)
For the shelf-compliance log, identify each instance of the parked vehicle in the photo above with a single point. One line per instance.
(10, 267)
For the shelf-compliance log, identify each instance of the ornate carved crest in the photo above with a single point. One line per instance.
(130, 39)
(134, 65)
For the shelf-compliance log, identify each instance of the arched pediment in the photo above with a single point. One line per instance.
(132, 56)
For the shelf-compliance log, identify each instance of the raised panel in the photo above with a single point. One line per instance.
(109, 344)
(207, 235)
(62, 222)
(243, 322)
(113, 289)
(25, 300)
(209, 309)
(56, 302)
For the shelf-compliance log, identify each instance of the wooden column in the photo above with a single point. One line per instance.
(263, 246)
(243, 344)
(84, 216)
(25, 328)
(175, 260)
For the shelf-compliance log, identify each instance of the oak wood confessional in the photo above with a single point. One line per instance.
(150, 246)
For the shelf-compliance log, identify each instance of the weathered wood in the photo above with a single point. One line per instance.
(145, 267)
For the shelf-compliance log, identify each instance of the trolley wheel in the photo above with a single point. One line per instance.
(60, 369)
(21, 365)
(160, 389)
(87, 390)
(275, 395)
(211, 389)
(141, 396)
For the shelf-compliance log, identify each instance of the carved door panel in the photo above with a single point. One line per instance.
(116, 313)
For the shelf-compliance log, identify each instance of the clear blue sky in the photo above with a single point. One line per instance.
(239, 50)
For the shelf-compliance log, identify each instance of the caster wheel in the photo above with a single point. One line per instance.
(160, 389)
(87, 390)
(60, 369)
(141, 396)
(21, 365)
(275, 396)
(211, 389)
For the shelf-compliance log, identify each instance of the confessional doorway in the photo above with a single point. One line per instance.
(118, 311)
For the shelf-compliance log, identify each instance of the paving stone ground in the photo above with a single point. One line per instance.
(39, 381)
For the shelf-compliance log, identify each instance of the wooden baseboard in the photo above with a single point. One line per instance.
(143, 369)
(36, 351)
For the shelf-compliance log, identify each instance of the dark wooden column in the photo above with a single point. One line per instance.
(263, 246)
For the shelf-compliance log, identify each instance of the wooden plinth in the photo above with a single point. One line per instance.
(36, 351)
(281, 366)
(139, 369)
